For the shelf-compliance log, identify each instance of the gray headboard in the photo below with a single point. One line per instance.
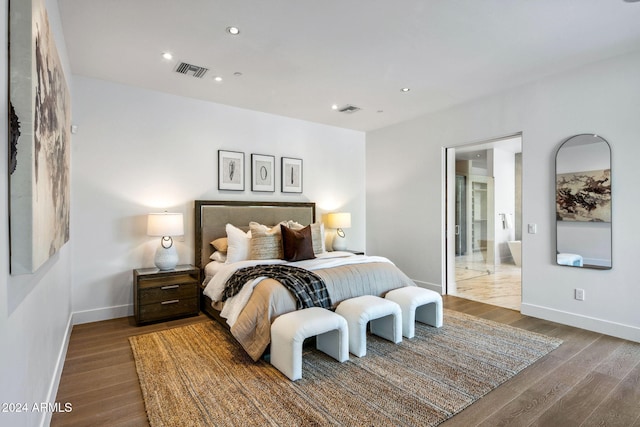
(211, 217)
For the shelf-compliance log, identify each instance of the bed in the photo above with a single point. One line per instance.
(248, 315)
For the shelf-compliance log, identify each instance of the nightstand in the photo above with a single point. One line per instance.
(354, 252)
(163, 295)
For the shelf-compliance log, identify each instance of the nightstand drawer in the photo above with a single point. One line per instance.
(157, 281)
(166, 292)
(168, 309)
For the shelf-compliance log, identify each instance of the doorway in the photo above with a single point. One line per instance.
(483, 213)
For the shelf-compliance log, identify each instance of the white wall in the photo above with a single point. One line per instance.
(35, 309)
(139, 151)
(405, 181)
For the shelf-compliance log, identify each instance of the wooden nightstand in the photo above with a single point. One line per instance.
(354, 252)
(164, 295)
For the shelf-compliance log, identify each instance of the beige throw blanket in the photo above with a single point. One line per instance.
(270, 299)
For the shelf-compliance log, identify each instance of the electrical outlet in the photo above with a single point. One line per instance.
(579, 294)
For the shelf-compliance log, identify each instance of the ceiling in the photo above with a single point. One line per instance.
(297, 58)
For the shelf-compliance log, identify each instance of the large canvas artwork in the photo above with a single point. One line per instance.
(584, 196)
(39, 139)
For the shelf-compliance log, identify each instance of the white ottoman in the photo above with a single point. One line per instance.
(418, 304)
(289, 331)
(385, 317)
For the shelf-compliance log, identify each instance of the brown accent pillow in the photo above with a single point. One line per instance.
(297, 244)
(221, 244)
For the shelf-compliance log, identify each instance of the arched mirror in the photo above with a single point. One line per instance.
(583, 202)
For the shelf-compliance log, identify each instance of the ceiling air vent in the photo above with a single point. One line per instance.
(349, 109)
(191, 70)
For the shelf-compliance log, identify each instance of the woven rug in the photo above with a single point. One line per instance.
(198, 375)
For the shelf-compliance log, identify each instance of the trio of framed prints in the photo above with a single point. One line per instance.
(231, 172)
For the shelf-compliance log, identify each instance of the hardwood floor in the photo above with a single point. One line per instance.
(590, 380)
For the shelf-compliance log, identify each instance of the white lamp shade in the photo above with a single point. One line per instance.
(339, 220)
(165, 224)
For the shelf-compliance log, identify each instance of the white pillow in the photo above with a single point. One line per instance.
(218, 256)
(239, 244)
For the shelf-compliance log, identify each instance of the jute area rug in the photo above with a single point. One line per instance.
(198, 375)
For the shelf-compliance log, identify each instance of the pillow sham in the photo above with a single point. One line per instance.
(220, 244)
(266, 243)
(297, 244)
(218, 256)
(317, 235)
(238, 244)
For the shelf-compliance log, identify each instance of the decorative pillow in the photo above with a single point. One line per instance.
(266, 243)
(297, 244)
(218, 256)
(238, 244)
(221, 244)
(317, 235)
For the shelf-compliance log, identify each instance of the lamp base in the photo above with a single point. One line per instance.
(166, 258)
(339, 243)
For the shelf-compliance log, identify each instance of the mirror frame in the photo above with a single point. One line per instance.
(564, 144)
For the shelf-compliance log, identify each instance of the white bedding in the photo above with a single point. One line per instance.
(216, 277)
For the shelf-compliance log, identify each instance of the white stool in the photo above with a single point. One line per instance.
(418, 304)
(385, 317)
(289, 330)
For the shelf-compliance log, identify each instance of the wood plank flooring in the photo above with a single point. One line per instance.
(590, 380)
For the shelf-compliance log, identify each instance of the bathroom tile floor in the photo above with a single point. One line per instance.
(499, 286)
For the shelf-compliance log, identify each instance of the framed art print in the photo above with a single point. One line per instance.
(291, 175)
(39, 140)
(230, 170)
(263, 172)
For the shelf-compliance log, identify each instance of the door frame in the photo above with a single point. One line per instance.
(448, 205)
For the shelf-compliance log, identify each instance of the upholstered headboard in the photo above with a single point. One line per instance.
(211, 217)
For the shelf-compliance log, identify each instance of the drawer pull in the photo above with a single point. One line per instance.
(170, 287)
(173, 301)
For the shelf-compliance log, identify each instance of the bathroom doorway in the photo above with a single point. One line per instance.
(484, 221)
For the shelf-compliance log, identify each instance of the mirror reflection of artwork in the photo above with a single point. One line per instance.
(230, 170)
(291, 175)
(584, 202)
(584, 196)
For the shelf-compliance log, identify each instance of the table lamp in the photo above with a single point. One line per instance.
(165, 225)
(339, 221)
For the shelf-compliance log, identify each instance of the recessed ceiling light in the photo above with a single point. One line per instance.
(631, 1)
(167, 55)
(234, 31)
(218, 79)
(334, 107)
(405, 89)
(237, 74)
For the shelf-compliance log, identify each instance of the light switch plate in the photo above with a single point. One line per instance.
(533, 228)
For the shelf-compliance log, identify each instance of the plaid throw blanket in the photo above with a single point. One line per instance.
(308, 288)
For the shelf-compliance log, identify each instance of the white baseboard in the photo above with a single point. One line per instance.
(52, 393)
(105, 313)
(606, 327)
(431, 286)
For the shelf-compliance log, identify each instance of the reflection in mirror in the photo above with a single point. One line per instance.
(583, 202)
